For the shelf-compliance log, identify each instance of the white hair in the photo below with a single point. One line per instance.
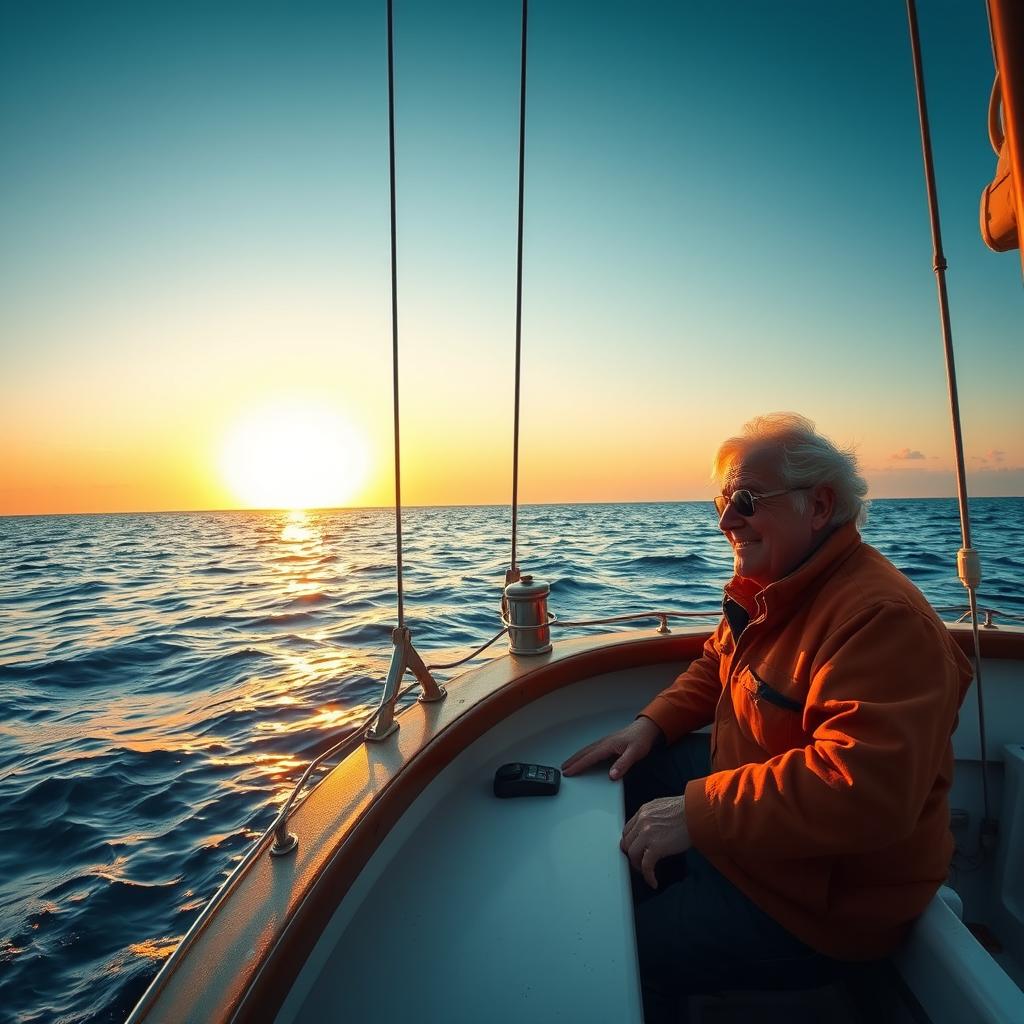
(803, 458)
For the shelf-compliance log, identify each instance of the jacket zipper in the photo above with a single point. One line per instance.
(773, 696)
(726, 693)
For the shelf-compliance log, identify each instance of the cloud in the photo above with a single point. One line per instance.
(907, 453)
(919, 480)
(995, 455)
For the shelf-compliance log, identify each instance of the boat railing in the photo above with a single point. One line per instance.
(662, 618)
(964, 614)
(285, 841)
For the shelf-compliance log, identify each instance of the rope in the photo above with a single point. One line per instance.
(519, 291)
(967, 557)
(990, 614)
(470, 657)
(394, 313)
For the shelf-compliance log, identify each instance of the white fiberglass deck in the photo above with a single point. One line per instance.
(476, 909)
(479, 909)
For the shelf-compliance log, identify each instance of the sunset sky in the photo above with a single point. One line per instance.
(725, 215)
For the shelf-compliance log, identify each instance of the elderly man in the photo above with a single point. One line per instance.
(820, 828)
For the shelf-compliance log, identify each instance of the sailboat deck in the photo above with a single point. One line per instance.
(470, 896)
(415, 892)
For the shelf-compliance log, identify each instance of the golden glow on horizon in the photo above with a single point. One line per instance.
(294, 455)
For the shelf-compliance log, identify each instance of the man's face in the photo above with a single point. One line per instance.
(772, 542)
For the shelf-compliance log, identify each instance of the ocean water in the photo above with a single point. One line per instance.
(165, 678)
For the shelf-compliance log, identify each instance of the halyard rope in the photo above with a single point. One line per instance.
(967, 558)
(519, 294)
(394, 313)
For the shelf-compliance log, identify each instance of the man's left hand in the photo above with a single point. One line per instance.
(657, 830)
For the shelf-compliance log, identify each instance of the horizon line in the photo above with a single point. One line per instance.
(390, 508)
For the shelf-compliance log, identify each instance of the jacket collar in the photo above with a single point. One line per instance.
(790, 590)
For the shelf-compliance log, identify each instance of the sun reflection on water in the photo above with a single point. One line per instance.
(329, 717)
(298, 528)
(153, 949)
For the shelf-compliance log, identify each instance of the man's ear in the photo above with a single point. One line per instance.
(823, 504)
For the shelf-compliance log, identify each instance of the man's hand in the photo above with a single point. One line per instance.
(657, 830)
(627, 746)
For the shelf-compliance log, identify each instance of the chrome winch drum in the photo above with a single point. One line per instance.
(527, 619)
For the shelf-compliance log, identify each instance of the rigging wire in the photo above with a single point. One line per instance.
(967, 561)
(513, 568)
(394, 314)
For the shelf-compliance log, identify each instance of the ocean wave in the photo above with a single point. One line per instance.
(283, 619)
(373, 568)
(568, 584)
(360, 634)
(31, 563)
(305, 600)
(210, 622)
(169, 603)
(100, 666)
(211, 672)
(690, 560)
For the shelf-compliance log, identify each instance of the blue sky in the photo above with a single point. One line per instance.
(725, 215)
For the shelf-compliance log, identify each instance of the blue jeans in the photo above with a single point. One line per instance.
(697, 933)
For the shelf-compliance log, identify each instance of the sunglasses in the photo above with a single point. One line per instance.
(743, 501)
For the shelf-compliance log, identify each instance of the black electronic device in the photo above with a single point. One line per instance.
(520, 779)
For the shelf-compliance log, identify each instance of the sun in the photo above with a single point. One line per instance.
(294, 455)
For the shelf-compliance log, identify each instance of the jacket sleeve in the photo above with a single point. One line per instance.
(689, 703)
(884, 695)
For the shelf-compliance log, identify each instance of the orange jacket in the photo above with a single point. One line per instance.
(830, 752)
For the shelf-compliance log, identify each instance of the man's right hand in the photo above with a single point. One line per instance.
(627, 746)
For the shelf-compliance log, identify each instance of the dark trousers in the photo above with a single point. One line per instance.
(697, 933)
